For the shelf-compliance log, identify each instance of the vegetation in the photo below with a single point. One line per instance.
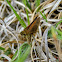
(21, 40)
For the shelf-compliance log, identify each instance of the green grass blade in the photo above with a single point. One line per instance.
(26, 2)
(59, 32)
(50, 35)
(44, 16)
(14, 56)
(59, 37)
(53, 33)
(1, 48)
(27, 17)
(37, 3)
(8, 51)
(28, 5)
(18, 17)
(23, 52)
(59, 22)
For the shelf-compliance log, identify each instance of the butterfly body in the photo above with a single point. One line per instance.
(31, 29)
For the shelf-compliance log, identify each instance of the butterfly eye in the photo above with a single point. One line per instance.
(23, 33)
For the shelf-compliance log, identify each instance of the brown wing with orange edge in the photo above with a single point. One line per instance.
(32, 28)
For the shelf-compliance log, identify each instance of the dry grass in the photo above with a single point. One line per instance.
(45, 46)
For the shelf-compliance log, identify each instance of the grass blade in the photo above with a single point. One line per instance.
(23, 53)
(43, 15)
(59, 32)
(53, 33)
(59, 22)
(26, 2)
(37, 3)
(59, 37)
(14, 56)
(27, 17)
(18, 17)
(1, 48)
(28, 5)
(8, 51)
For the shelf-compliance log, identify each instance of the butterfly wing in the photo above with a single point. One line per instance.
(32, 28)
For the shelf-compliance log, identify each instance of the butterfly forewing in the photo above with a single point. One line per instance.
(32, 28)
